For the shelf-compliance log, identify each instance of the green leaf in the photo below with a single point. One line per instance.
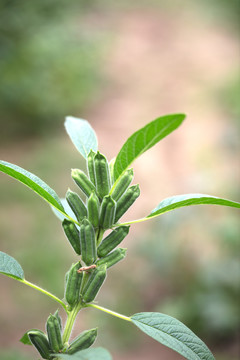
(178, 201)
(25, 339)
(10, 267)
(88, 354)
(144, 139)
(173, 334)
(33, 182)
(82, 135)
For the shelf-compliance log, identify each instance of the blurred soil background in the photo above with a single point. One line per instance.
(120, 65)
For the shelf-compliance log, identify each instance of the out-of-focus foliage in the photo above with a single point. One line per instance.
(227, 10)
(13, 355)
(222, 11)
(48, 62)
(199, 275)
(230, 98)
(50, 58)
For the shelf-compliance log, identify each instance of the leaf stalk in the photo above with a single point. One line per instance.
(28, 283)
(113, 313)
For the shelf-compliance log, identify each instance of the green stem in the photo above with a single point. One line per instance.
(84, 280)
(123, 317)
(135, 221)
(70, 322)
(100, 235)
(44, 292)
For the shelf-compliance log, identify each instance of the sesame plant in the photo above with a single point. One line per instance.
(108, 194)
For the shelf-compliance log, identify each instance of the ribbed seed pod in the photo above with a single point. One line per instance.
(102, 175)
(122, 184)
(72, 234)
(54, 333)
(83, 341)
(90, 166)
(73, 284)
(83, 181)
(126, 200)
(59, 318)
(111, 170)
(113, 258)
(40, 341)
(66, 277)
(107, 212)
(76, 204)
(112, 240)
(87, 242)
(94, 283)
(93, 209)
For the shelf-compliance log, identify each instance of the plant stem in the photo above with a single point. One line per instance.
(99, 236)
(70, 322)
(24, 281)
(123, 317)
(135, 221)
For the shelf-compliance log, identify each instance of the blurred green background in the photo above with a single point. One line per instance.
(120, 66)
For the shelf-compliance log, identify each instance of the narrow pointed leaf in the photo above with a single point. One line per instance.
(68, 211)
(33, 182)
(10, 267)
(144, 139)
(173, 334)
(88, 354)
(25, 339)
(82, 135)
(178, 201)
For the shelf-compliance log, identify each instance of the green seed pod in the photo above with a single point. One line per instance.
(94, 283)
(87, 242)
(73, 284)
(76, 204)
(83, 341)
(54, 333)
(111, 170)
(59, 318)
(83, 181)
(122, 184)
(66, 277)
(90, 166)
(112, 240)
(40, 341)
(113, 258)
(72, 234)
(102, 175)
(126, 200)
(107, 212)
(93, 209)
